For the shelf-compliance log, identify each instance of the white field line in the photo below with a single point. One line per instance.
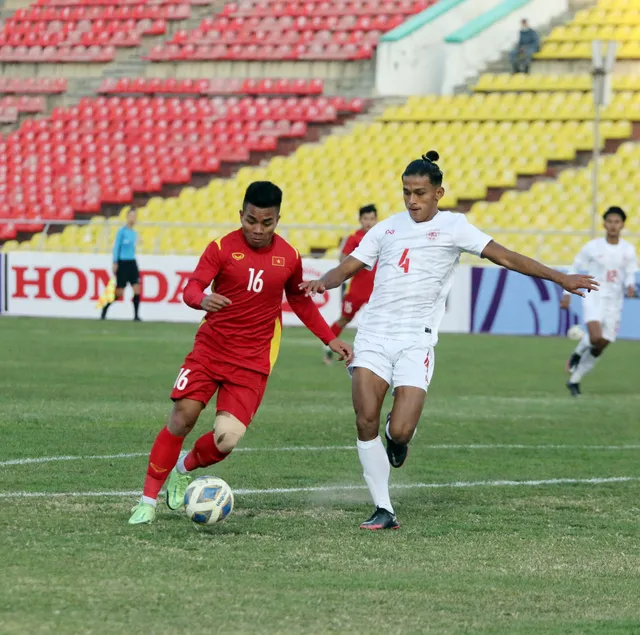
(347, 488)
(329, 448)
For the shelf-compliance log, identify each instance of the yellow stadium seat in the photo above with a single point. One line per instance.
(10, 245)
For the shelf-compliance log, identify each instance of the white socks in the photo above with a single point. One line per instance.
(376, 468)
(149, 500)
(583, 345)
(587, 362)
(180, 468)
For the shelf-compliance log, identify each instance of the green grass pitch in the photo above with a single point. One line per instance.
(494, 558)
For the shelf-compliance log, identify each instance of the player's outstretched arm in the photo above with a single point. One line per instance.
(572, 283)
(304, 307)
(630, 275)
(334, 277)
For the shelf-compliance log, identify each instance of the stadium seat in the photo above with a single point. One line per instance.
(294, 30)
(606, 21)
(216, 86)
(104, 149)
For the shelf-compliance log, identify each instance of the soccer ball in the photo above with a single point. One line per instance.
(575, 332)
(208, 500)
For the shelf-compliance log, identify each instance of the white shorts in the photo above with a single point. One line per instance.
(594, 309)
(399, 363)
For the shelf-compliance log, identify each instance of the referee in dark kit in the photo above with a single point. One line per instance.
(125, 266)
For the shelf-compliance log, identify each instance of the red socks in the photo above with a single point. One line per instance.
(163, 458)
(336, 329)
(205, 452)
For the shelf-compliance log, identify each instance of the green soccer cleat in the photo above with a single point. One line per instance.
(176, 487)
(143, 514)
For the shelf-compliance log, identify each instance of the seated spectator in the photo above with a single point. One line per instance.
(528, 44)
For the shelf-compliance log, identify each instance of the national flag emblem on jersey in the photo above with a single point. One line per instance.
(433, 235)
(237, 255)
(277, 261)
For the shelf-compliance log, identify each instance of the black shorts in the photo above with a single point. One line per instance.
(127, 273)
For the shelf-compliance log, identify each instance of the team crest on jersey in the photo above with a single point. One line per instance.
(433, 235)
(277, 261)
(237, 255)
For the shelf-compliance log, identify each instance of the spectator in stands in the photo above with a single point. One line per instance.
(528, 44)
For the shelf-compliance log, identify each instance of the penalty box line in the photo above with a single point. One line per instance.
(348, 488)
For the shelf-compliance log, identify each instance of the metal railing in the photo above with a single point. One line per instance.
(102, 240)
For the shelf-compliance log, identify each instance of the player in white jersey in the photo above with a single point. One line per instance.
(613, 262)
(417, 252)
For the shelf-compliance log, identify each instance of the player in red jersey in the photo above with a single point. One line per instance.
(361, 284)
(236, 345)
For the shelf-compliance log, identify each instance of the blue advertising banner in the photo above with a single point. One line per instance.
(507, 303)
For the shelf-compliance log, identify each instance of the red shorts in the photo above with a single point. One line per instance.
(351, 304)
(240, 390)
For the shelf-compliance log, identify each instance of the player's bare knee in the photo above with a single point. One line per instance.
(184, 416)
(367, 425)
(228, 431)
(401, 431)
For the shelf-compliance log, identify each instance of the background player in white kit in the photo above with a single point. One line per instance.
(417, 252)
(613, 262)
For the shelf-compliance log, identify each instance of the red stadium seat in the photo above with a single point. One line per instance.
(104, 149)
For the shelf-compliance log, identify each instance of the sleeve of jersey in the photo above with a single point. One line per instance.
(304, 307)
(116, 245)
(202, 277)
(632, 269)
(470, 239)
(580, 263)
(369, 248)
(349, 245)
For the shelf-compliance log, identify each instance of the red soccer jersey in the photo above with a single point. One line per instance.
(247, 332)
(362, 283)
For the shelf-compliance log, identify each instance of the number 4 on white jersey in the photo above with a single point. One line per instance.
(404, 261)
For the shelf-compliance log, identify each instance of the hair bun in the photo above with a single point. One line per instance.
(432, 156)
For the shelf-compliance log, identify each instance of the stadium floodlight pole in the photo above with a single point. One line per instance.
(601, 73)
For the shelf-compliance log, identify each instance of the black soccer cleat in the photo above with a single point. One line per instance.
(396, 452)
(574, 389)
(572, 363)
(381, 519)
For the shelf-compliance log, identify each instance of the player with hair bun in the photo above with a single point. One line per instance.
(417, 253)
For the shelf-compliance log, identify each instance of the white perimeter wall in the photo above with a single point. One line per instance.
(422, 63)
(464, 60)
(414, 65)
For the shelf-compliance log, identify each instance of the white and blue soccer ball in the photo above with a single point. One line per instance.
(208, 500)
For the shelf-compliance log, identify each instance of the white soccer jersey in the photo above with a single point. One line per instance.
(416, 266)
(613, 266)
